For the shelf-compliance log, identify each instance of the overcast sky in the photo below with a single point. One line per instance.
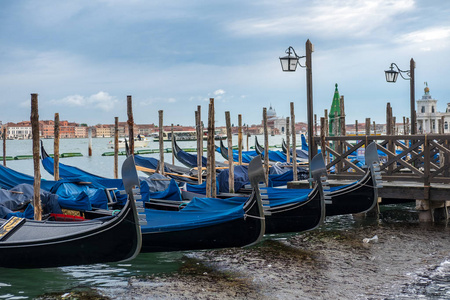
(84, 57)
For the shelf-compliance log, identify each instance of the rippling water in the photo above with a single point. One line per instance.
(433, 283)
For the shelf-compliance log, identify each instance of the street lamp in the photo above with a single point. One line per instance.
(290, 61)
(289, 64)
(392, 75)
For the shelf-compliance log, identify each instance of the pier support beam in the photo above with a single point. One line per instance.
(432, 211)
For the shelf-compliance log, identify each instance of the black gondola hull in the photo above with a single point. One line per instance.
(296, 217)
(74, 243)
(236, 233)
(356, 198)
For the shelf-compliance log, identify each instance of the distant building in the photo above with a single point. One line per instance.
(428, 118)
(275, 124)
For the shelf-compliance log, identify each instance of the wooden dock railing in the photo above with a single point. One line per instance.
(417, 158)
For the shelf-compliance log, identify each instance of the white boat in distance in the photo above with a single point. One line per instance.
(141, 142)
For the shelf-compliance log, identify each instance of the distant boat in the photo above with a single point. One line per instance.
(138, 143)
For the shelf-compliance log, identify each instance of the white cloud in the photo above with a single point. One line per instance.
(427, 39)
(101, 100)
(326, 18)
(171, 100)
(219, 92)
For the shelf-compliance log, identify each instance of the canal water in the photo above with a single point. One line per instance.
(408, 260)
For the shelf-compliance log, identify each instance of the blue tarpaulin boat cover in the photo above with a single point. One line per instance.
(20, 196)
(72, 194)
(190, 159)
(199, 212)
(200, 188)
(66, 171)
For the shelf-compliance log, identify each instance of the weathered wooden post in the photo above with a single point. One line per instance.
(389, 132)
(323, 130)
(404, 125)
(408, 129)
(130, 123)
(198, 130)
(394, 127)
(34, 118)
(266, 146)
(161, 142)
(4, 146)
(211, 168)
(315, 124)
(309, 107)
(374, 128)
(367, 126)
(326, 157)
(356, 127)
(342, 130)
(342, 108)
(230, 153)
(213, 151)
(90, 141)
(209, 165)
(116, 147)
(172, 141)
(56, 148)
(294, 145)
(248, 136)
(240, 139)
(288, 142)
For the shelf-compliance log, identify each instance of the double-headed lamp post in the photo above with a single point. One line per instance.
(392, 75)
(289, 64)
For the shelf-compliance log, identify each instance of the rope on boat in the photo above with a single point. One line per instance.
(254, 217)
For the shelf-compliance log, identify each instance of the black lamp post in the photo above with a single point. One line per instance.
(289, 64)
(392, 75)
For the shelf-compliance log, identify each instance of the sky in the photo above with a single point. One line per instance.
(84, 57)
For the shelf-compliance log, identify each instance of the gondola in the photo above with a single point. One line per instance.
(208, 223)
(215, 224)
(362, 195)
(41, 244)
(276, 156)
(295, 213)
(190, 160)
(298, 214)
(247, 156)
(358, 197)
(301, 154)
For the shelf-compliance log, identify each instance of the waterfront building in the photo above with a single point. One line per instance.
(428, 118)
(275, 124)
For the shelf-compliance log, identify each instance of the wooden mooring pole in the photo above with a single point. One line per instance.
(266, 146)
(4, 146)
(37, 172)
(367, 126)
(230, 153)
(161, 142)
(211, 168)
(116, 147)
(240, 139)
(130, 123)
(56, 148)
(172, 134)
(199, 130)
(294, 145)
(90, 141)
(288, 141)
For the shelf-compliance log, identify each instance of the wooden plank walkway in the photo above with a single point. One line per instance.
(405, 190)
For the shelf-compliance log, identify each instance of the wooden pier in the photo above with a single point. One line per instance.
(413, 167)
